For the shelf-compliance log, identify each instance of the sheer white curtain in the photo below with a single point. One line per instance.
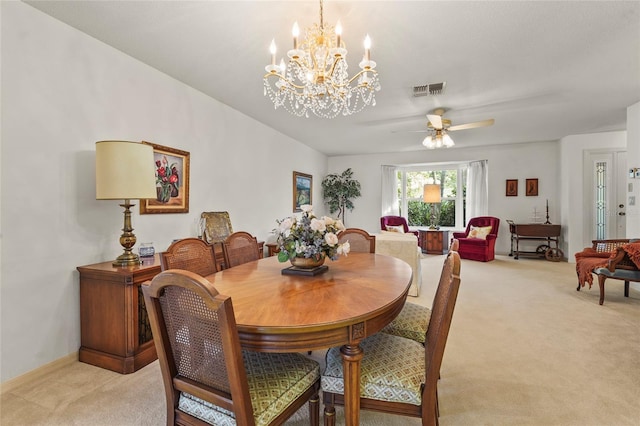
(389, 194)
(477, 189)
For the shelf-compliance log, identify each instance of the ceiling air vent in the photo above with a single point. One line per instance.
(429, 89)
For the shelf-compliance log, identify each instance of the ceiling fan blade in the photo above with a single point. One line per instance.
(473, 125)
(435, 120)
(411, 131)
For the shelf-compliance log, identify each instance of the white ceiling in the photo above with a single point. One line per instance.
(543, 70)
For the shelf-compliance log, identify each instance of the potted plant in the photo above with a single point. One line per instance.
(339, 190)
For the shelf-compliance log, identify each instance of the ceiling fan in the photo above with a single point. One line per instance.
(439, 127)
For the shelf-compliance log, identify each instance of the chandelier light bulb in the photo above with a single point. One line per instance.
(283, 67)
(367, 47)
(296, 33)
(338, 33)
(272, 49)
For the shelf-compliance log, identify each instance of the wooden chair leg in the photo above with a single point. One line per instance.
(314, 410)
(329, 411)
(626, 289)
(601, 279)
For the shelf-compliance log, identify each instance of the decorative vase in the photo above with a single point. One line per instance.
(307, 262)
(163, 193)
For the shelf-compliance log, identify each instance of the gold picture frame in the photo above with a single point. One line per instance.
(302, 190)
(172, 181)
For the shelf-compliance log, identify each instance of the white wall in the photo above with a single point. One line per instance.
(633, 160)
(61, 92)
(572, 149)
(518, 161)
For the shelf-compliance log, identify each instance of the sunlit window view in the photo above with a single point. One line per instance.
(449, 212)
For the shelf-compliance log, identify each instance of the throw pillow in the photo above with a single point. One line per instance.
(479, 232)
(395, 228)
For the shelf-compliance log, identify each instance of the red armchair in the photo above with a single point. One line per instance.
(474, 246)
(396, 221)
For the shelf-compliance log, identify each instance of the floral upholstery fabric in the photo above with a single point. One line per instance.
(275, 381)
(393, 369)
(411, 322)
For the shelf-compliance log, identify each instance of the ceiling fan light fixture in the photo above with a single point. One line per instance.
(428, 142)
(447, 141)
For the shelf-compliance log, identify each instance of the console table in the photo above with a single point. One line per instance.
(434, 241)
(114, 328)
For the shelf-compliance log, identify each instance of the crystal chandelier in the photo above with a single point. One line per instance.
(316, 79)
(438, 139)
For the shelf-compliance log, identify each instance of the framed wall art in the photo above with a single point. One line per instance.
(532, 187)
(512, 188)
(302, 190)
(172, 181)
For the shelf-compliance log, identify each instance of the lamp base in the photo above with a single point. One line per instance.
(433, 227)
(127, 259)
(127, 240)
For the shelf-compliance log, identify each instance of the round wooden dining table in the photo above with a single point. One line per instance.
(358, 295)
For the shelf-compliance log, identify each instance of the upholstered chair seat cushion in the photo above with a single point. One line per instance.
(393, 369)
(275, 381)
(411, 323)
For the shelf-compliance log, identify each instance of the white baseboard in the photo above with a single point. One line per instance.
(39, 372)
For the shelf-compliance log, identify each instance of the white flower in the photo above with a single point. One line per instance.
(328, 220)
(309, 237)
(285, 227)
(318, 225)
(344, 248)
(331, 239)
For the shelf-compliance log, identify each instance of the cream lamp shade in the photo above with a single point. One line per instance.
(124, 170)
(431, 193)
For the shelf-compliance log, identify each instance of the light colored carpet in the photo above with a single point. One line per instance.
(525, 348)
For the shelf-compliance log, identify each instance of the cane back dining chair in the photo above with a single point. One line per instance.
(413, 320)
(240, 247)
(190, 254)
(399, 376)
(207, 378)
(360, 241)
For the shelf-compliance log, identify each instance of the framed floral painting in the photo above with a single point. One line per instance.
(302, 188)
(172, 181)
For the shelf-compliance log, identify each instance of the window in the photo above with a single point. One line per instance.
(450, 212)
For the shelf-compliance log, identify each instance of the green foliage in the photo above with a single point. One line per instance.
(338, 191)
(420, 213)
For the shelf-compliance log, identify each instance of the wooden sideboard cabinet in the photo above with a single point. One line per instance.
(434, 241)
(114, 328)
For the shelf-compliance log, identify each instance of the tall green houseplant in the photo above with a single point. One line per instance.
(338, 191)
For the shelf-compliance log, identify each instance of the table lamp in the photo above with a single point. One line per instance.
(431, 195)
(125, 171)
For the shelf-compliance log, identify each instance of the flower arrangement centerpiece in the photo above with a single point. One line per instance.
(166, 179)
(306, 240)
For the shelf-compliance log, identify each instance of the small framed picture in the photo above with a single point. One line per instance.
(302, 190)
(512, 188)
(532, 187)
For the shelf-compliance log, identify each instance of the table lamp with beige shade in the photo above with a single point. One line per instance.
(431, 194)
(125, 171)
